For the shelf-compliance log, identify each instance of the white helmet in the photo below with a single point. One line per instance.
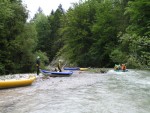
(38, 57)
(60, 60)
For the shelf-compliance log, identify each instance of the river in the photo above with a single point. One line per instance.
(111, 92)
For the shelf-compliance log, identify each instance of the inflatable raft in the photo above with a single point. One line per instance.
(16, 83)
(71, 68)
(56, 74)
(121, 70)
(83, 69)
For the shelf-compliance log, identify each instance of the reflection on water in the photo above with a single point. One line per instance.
(113, 92)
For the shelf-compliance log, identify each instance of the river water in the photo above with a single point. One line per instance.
(112, 92)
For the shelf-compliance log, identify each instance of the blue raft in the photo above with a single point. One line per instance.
(56, 74)
(121, 70)
(71, 68)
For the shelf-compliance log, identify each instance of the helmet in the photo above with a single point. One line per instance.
(38, 57)
(60, 60)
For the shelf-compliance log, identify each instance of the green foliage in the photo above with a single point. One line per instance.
(56, 41)
(43, 31)
(97, 33)
(49, 38)
(137, 48)
(12, 18)
(139, 16)
(133, 63)
(25, 45)
(118, 56)
(77, 33)
(91, 32)
(136, 40)
(18, 39)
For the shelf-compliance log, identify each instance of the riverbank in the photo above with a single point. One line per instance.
(26, 75)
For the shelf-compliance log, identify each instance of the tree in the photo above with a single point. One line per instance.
(135, 42)
(25, 44)
(91, 32)
(12, 18)
(55, 37)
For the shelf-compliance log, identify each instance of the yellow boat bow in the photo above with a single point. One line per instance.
(16, 83)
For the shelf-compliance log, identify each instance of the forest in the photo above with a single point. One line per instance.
(93, 33)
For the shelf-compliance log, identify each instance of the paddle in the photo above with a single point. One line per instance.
(63, 66)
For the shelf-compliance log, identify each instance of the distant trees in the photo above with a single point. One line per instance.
(92, 29)
(100, 33)
(56, 37)
(49, 36)
(97, 33)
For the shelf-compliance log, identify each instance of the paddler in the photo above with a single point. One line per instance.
(38, 64)
(59, 66)
(123, 67)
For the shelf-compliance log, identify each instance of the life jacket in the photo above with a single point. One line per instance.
(115, 67)
(37, 62)
(123, 67)
(59, 67)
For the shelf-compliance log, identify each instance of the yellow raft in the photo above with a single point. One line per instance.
(83, 69)
(16, 83)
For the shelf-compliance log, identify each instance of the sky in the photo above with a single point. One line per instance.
(46, 5)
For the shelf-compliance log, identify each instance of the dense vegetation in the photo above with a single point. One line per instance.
(96, 33)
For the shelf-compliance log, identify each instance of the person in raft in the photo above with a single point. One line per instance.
(59, 66)
(117, 67)
(38, 65)
(123, 67)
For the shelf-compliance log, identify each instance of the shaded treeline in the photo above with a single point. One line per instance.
(96, 33)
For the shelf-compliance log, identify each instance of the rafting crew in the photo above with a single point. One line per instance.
(120, 67)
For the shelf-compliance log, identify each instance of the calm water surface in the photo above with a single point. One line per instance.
(113, 92)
